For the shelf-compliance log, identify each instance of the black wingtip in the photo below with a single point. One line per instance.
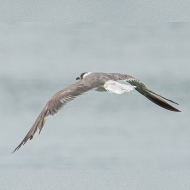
(165, 98)
(15, 150)
(18, 147)
(178, 111)
(157, 100)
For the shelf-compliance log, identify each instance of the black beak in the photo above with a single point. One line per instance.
(78, 78)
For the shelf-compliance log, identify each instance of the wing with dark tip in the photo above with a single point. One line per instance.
(152, 96)
(39, 123)
(55, 104)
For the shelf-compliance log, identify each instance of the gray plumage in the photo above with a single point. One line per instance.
(89, 81)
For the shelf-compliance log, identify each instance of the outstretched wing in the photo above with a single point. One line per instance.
(152, 96)
(55, 104)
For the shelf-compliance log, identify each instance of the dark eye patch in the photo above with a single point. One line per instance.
(81, 76)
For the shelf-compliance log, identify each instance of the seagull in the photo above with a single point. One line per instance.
(101, 82)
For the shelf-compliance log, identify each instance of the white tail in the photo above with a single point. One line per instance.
(117, 88)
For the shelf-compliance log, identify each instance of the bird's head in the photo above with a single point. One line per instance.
(83, 75)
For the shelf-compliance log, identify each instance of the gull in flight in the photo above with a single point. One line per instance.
(100, 82)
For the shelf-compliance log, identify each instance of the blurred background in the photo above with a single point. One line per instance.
(97, 130)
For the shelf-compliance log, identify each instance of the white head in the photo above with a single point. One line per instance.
(83, 75)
